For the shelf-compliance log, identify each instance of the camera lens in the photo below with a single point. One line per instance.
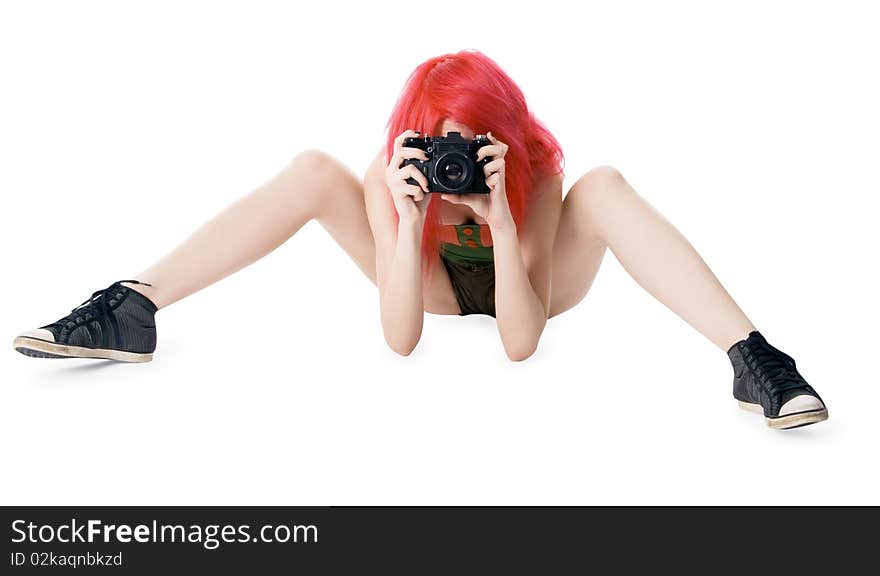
(454, 172)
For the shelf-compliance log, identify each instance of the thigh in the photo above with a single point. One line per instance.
(577, 253)
(342, 212)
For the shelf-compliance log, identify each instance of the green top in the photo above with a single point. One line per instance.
(465, 254)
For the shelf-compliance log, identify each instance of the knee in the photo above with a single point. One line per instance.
(596, 188)
(603, 174)
(312, 165)
(310, 174)
(600, 180)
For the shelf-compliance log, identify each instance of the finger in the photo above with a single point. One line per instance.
(409, 152)
(453, 198)
(496, 165)
(491, 150)
(493, 180)
(495, 141)
(409, 190)
(410, 171)
(471, 200)
(419, 177)
(398, 142)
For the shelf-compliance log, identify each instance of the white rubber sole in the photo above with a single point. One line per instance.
(789, 421)
(43, 349)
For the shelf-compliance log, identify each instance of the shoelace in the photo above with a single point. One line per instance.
(97, 304)
(778, 371)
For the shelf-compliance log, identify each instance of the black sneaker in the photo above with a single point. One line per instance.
(766, 380)
(116, 323)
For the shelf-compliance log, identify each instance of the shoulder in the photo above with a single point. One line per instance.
(379, 206)
(548, 183)
(376, 169)
(545, 202)
(538, 233)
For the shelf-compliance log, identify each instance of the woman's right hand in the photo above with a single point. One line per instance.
(410, 201)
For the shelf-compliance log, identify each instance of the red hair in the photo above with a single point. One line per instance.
(470, 88)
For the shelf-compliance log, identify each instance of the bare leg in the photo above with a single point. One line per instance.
(602, 210)
(313, 185)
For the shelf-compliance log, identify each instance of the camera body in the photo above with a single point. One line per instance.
(452, 166)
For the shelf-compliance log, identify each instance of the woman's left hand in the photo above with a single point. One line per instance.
(491, 207)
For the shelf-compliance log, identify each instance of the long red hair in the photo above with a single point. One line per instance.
(470, 88)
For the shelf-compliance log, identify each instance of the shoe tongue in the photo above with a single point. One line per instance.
(755, 335)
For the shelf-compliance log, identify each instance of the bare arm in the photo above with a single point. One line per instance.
(398, 258)
(523, 262)
(523, 269)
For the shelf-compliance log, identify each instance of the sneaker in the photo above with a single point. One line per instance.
(116, 323)
(767, 381)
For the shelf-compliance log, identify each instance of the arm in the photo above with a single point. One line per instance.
(523, 263)
(398, 262)
(523, 269)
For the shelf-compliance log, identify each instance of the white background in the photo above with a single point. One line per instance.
(123, 126)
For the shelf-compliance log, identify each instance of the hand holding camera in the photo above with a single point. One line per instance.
(408, 186)
(492, 207)
(450, 164)
(469, 172)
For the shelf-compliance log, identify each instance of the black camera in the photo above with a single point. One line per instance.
(452, 166)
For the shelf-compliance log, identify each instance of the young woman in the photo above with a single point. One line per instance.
(519, 253)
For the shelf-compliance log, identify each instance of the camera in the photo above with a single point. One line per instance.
(452, 166)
